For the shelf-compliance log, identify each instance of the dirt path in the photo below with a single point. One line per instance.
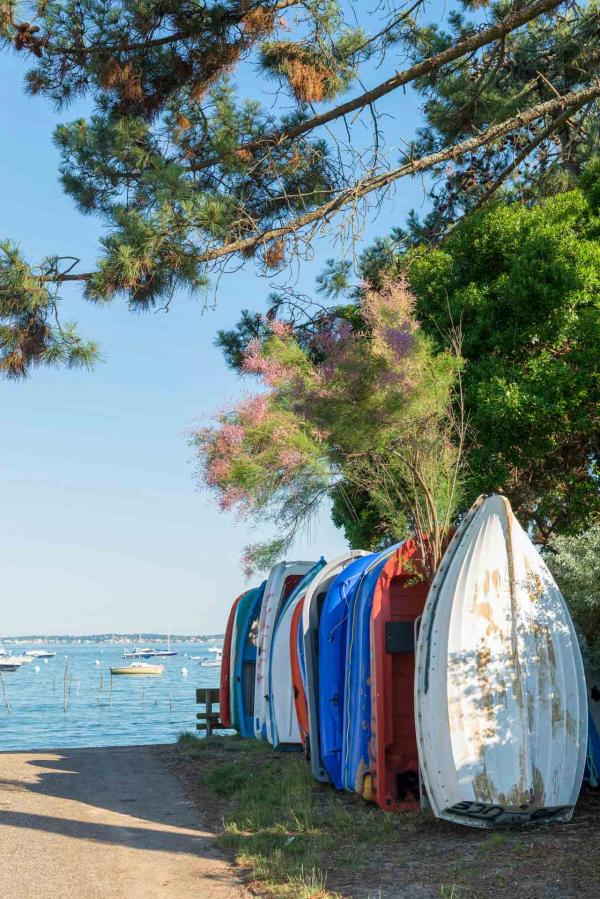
(104, 824)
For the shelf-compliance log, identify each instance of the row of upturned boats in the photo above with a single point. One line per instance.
(466, 695)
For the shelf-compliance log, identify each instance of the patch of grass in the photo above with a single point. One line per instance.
(187, 739)
(279, 823)
(228, 779)
(451, 891)
(190, 743)
(298, 839)
(361, 822)
(495, 839)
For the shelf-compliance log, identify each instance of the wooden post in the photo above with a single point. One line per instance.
(209, 719)
(209, 723)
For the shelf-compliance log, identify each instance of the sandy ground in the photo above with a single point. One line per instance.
(104, 824)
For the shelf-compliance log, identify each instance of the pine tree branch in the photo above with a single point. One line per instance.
(474, 42)
(567, 103)
(173, 38)
(539, 138)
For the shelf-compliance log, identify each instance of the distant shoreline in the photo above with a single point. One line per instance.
(110, 638)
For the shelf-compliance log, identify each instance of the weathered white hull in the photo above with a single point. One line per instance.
(266, 625)
(500, 693)
(284, 723)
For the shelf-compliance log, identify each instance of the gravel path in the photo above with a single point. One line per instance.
(104, 824)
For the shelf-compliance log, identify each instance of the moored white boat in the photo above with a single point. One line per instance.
(215, 660)
(9, 664)
(138, 668)
(144, 652)
(500, 695)
(40, 654)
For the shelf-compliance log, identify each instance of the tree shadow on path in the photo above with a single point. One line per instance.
(103, 796)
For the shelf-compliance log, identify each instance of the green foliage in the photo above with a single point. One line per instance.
(185, 173)
(31, 333)
(575, 563)
(553, 53)
(524, 284)
(358, 514)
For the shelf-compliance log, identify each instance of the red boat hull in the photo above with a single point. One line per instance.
(224, 690)
(398, 602)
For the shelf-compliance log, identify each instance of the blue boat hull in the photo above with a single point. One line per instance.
(244, 666)
(357, 678)
(331, 663)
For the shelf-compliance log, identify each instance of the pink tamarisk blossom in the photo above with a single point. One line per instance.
(216, 472)
(399, 340)
(270, 370)
(229, 436)
(255, 409)
(291, 458)
(233, 496)
(280, 329)
(393, 305)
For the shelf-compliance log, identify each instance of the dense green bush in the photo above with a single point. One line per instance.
(575, 563)
(524, 285)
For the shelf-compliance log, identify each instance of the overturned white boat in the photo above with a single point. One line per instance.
(500, 693)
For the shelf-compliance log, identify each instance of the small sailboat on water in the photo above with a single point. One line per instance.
(168, 652)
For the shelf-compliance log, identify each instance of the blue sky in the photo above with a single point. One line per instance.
(102, 527)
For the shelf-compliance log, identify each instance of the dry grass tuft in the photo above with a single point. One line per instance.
(259, 22)
(308, 81)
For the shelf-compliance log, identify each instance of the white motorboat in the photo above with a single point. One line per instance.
(40, 654)
(215, 660)
(9, 664)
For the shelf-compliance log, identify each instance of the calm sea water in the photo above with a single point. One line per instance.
(135, 710)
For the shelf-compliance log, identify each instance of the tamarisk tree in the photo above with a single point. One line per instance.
(369, 409)
(190, 176)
